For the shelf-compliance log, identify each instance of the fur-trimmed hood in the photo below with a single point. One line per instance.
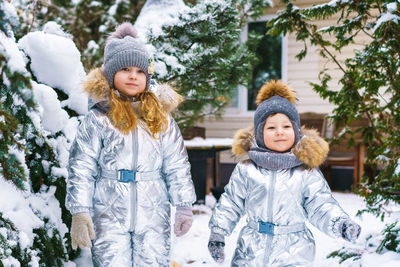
(98, 89)
(312, 149)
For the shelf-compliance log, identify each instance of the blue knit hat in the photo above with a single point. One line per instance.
(275, 97)
(124, 49)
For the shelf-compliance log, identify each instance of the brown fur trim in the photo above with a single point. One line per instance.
(96, 85)
(98, 89)
(311, 149)
(275, 88)
(168, 97)
(242, 141)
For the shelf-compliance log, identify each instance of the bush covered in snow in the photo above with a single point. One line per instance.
(40, 105)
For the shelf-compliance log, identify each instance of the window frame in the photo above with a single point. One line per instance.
(242, 110)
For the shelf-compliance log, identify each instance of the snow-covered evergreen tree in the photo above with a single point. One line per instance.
(89, 22)
(370, 90)
(198, 50)
(33, 150)
(195, 43)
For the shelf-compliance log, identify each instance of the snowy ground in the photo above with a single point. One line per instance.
(191, 249)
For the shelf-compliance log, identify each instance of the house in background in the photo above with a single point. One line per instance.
(278, 61)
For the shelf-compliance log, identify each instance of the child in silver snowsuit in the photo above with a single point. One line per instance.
(128, 162)
(278, 188)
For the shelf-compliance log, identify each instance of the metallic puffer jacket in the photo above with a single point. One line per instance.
(131, 219)
(285, 198)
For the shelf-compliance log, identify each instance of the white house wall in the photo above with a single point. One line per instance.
(298, 75)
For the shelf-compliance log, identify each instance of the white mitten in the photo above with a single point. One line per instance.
(183, 220)
(82, 231)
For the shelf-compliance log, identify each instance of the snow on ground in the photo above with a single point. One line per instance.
(208, 142)
(190, 250)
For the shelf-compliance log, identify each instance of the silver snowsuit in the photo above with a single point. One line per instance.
(131, 219)
(286, 198)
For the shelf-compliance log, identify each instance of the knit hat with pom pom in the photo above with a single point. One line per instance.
(124, 49)
(275, 97)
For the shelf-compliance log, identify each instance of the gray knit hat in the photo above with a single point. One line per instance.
(124, 49)
(275, 97)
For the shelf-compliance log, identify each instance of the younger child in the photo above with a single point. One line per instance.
(128, 163)
(278, 190)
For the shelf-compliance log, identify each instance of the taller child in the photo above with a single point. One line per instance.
(128, 162)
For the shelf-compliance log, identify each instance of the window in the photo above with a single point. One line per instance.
(271, 65)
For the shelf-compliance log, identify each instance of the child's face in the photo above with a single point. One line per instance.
(278, 133)
(130, 81)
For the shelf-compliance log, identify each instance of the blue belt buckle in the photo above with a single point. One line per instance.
(266, 227)
(126, 176)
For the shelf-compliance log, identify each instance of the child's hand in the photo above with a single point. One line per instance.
(216, 246)
(350, 230)
(82, 231)
(183, 220)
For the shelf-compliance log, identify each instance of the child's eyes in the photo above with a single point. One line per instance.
(127, 69)
(285, 127)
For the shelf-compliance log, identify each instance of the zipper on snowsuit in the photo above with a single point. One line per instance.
(270, 216)
(133, 187)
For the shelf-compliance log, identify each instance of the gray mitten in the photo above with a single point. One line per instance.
(183, 220)
(82, 231)
(350, 230)
(216, 246)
